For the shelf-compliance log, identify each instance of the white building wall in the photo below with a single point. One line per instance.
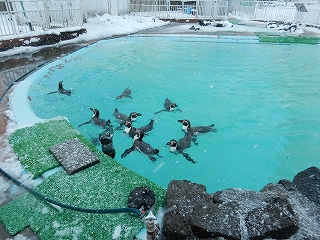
(100, 7)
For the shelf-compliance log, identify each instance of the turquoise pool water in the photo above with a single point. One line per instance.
(264, 100)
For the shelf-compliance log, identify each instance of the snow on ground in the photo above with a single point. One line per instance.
(97, 28)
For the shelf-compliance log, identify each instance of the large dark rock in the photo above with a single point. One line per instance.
(275, 220)
(216, 220)
(182, 197)
(278, 211)
(308, 183)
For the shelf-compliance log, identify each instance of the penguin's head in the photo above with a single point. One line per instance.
(186, 124)
(128, 124)
(138, 135)
(173, 145)
(60, 85)
(95, 111)
(173, 105)
(105, 138)
(133, 116)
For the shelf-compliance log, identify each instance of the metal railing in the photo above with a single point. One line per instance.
(166, 9)
(17, 17)
(299, 11)
(250, 9)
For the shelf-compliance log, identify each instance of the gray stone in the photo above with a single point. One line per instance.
(182, 197)
(275, 220)
(73, 155)
(216, 220)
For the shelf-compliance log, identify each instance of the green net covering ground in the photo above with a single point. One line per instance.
(105, 185)
(31, 144)
(289, 39)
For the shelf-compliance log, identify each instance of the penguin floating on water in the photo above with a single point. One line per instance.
(95, 120)
(180, 145)
(61, 90)
(122, 118)
(107, 143)
(125, 94)
(142, 147)
(130, 130)
(194, 131)
(169, 106)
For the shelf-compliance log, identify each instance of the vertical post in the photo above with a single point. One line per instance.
(152, 228)
(12, 17)
(27, 19)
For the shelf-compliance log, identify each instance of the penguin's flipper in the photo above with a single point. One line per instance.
(187, 156)
(160, 111)
(127, 151)
(84, 123)
(52, 92)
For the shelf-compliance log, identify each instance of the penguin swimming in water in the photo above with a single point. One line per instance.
(126, 94)
(169, 106)
(142, 147)
(61, 90)
(180, 145)
(107, 143)
(194, 131)
(96, 120)
(122, 118)
(130, 130)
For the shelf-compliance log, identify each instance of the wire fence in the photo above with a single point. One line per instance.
(17, 17)
(300, 12)
(179, 9)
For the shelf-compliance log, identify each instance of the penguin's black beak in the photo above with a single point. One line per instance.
(180, 121)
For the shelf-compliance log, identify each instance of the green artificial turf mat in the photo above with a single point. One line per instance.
(105, 185)
(31, 144)
(289, 39)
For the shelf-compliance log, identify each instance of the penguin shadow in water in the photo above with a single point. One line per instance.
(106, 140)
(61, 90)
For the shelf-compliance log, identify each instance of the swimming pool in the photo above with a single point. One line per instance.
(262, 98)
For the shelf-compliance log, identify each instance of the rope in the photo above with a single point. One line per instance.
(86, 210)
